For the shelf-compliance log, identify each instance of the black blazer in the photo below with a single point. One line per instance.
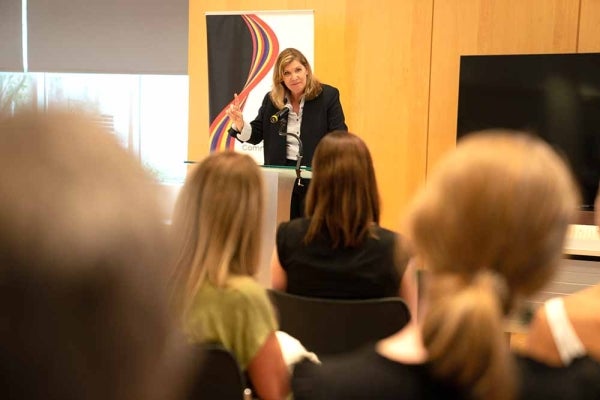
(320, 116)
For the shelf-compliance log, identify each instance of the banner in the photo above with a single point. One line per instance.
(242, 49)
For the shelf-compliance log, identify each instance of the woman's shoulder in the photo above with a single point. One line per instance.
(268, 101)
(329, 90)
(237, 288)
(386, 232)
(584, 305)
(385, 236)
(245, 285)
(531, 364)
(404, 347)
(245, 293)
(363, 374)
(581, 379)
(294, 225)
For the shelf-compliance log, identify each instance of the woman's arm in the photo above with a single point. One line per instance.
(409, 289)
(278, 274)
(335, 113)
(268, 372)
(539, 343)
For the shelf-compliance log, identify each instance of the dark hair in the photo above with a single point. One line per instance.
(342, 199)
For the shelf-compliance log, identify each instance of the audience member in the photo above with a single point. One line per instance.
(218, 219)
(339, 250)
(563, 346)
(82, 263)
(489, 227)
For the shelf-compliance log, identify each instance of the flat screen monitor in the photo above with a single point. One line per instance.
(554, 96)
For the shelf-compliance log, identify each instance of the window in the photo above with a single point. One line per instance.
(148, 113)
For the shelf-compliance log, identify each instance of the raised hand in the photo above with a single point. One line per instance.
(235, 113)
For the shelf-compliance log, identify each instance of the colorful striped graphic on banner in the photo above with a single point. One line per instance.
(265, 48)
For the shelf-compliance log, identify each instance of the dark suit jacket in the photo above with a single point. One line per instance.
(320, 116)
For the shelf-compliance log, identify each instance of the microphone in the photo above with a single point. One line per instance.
(281, 113)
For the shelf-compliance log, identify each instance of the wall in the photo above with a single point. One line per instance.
(377, 54)
(488, 27)
(396, 64)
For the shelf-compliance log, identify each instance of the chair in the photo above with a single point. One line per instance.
(219, 375)
(331, 326)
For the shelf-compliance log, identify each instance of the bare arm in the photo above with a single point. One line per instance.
(278, 274)
(539, 343)
(268, 372)
(409, 289)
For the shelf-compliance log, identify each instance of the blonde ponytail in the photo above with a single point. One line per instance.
(463, 334)
(489, 225)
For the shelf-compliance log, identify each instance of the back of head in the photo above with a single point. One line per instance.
(490, 225)
(218, 223)
(82, 250)
(343, 199)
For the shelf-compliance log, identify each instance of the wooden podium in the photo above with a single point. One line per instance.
(278, 184)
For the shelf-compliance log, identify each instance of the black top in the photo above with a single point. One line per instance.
(580, 380)
(365, 374)
(321, 115)
(318, 270)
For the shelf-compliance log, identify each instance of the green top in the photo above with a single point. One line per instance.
(239, 316)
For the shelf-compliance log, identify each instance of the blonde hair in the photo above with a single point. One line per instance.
(217, 224)
(490, 225)
(279, 91)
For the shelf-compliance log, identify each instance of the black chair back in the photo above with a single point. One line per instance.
(219, 375)
(328, 326)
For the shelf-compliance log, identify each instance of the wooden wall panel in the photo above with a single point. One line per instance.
(388, 62)
(468, 27)
(377, 54)
(396, 63)
(589, 28)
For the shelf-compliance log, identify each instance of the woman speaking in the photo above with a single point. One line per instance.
(314, 110)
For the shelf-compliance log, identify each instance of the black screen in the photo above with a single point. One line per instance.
(555, 96)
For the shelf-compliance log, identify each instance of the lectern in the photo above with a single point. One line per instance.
(279, 182)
